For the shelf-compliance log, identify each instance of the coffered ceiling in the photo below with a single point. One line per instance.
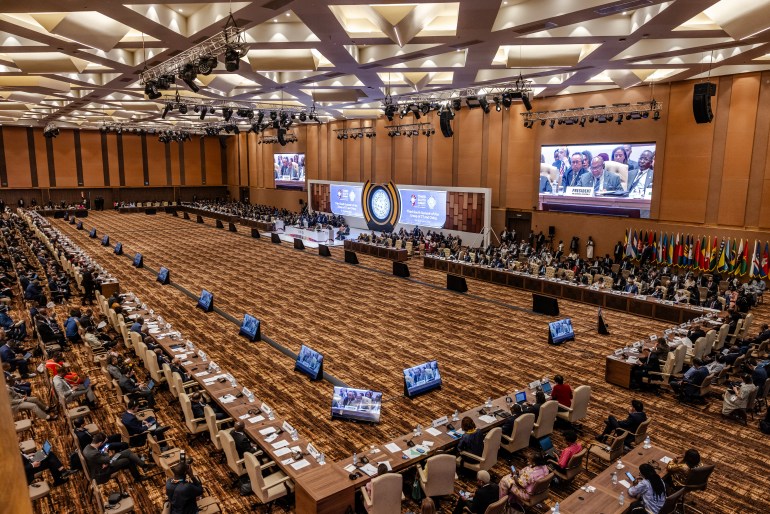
(77, 62)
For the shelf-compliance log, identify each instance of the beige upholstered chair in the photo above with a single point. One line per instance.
(747, 321)
(214, 425)
(164, 459)
(488, 457)
(385, 497)
(183, 387)
(539, 492)
(437, 477)
(736, 334)
(544, 424)
(268, 488)
(579, 409)
(574, 466)
(194, 425)
(235, 464)
(620, 170)
(522, 429)
(549, 171)
(609, 452)
(152, 366)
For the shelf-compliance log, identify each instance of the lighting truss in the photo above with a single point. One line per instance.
(595, 113)
(166, 133)
(244, 110)
(288, 137)
(411, 129)
(355, 133)
(230, 36)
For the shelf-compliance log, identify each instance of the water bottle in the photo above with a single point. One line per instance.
(322, 459)
(614, 478)
(418, 431)
(647, 444)
(489, 402)
(294, 435)
(619, 465)
(355, 459)
(455, 416)
(622, 499)
(556, 508)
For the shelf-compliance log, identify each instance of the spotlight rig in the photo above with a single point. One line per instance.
(595, 113)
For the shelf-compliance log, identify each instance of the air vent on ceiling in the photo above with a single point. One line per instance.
(466, 44)
(369, 66)
(126, 79)
(409, 57)
(624, 6)
(277, 4)
(304, 81)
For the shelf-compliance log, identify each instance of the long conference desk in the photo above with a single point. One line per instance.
(383, 252)
(618, 301)
(265, 226)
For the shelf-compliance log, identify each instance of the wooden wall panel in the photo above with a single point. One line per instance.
(64, 159)
(312, 156)
(384, 151)
(17, 157)
(523, 156)
(41, 158)
(353, 149)
(738, 150)
(441, 159)
(213, 160)
(91, 156)
(112, 159)
(156, 162)
(192, 163)
(132, 160)
(470, 141)
(336, 153)
(494, 145)
(402, 173)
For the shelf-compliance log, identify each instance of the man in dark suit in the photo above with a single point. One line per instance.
(242, 442)
(636, 416)
(618, 252)
(599, 178)
(101, 465)
(486, 494)
(649, 362)
(138, 429)
(545, 185)
(507, 426)
(639, 180)
(689, 386)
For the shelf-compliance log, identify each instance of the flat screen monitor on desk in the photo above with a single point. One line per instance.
(356, 404)
(138, 260)
(118, 248)
(206, 301)
(163, 275)
(421, 379)
(92, 234)
(79, 226)
(105, 240)
(309, 362)
(560, 331)
(250, 328)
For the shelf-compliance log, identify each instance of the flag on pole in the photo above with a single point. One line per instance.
(670, 256)
(744, 258)
(629, 243)
(695, 257)
(756, 261)
(634, 245)
(662, 251)
(765, 261)
(734, 257)
(724, 261)
(654, 247)
(704, 254)
(717, 256)
(640, 244)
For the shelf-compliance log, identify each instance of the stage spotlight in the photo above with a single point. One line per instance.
(232, 59)
(302, 116)
(526, 102)
(404, 112)
(206, 64)
(390, 110)
(188, 75)
(484, 104)
(498, 107)
(456, 104)
(610, 117)
(203, 110)
(507, 99)
(620, 119)
(273, 115)
(212, 110)
(542, 123)
(260, 116)
(182, 108)
(165, 81)
(472, 102)
(425, 108)
(656, 115)
(151, 90)
(227, 113)
(416, 114)
(167, 109)
(583, 121)
(236, 129)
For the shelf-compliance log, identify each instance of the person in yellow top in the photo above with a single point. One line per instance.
(678, 469)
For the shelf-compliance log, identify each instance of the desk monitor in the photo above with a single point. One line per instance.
(521, 397)
(138, 260)
(163, 275)
(421, 379)
(105, 240)
(545, 305)
(310, 362)
(546, 386)
(118, 248)
(560, 331)
(92, 234)
(602, 326)
(79, 226)
(356, 404)
(250, 328)
(298, 244)
(206, 301)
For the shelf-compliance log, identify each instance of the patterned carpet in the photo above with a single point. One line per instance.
(370, 325)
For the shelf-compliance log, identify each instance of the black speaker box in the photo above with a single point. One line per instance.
(151, 211)
(351, 257)
(400, 269)
(275, 239)
(701, 102)
(551, 230)
(298, 244)
(175, 214)
(186, 216)
(455, 283)
(231, 227)
(200, 218)
(545, 305)
(445, 122)
(81, 213)
(323, 251)
(255, 233)
(220, 224)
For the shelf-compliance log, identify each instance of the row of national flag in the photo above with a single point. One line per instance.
(736, 257)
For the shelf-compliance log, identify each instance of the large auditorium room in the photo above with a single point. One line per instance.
(416, 257)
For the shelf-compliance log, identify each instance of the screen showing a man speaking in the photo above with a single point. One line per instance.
(614, 179)
(289, 171)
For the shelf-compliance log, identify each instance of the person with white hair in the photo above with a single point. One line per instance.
(486, 494)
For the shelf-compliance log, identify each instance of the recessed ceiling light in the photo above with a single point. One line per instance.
(181, 10)
(288, 14)
(625, 13)
(275, 20)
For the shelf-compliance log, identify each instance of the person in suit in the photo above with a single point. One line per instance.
(102, 465)
(486, 494)
(636, 416)
(198, 402)
(138, 429)
(507, 426)
(15, 360)
(576, 171)
(618, 252)
(535, 407)
(649, 362)
(631, 287)
(183, 489)
(639, 180)
(51, 462)
(690, 384)
(242, 442)
(85, 438)
(472, 440)
(599, 178)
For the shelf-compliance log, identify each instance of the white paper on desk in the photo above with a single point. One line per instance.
(349, 468)
(271, 438)
(487, 419)
(296, 449)
(187, 363)
(256, 419)
(369, 469)
(301, 464)
(288, 461)
(392, 447)
(180, 356)
(282, 451)
(244, 416)
(665, 459)
(624, 483)
(433, 431)
(427, 444)
(280, 444)
(201, 373)
(268, 430)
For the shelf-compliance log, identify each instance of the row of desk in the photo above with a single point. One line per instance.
(264, 226)
(382, 252)
(638, 305)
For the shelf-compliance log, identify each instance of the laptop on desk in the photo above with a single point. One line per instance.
(40, 455)
(150, 385)
(521, 397)
(547, 388)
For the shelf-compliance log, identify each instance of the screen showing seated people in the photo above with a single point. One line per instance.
(613, 179)
(357, 404)
(309, 362)
(250, 327)
(346, 200)
(561, 331)
(422, 378)
(205, 300)
(289, 171)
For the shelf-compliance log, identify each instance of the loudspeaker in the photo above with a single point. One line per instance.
(551, 230)
(81, 213)
(220, 224)
(275, 239)
(255, 233)
(186, 215)
(323, 251)
(151, 211)
(301, 201)
(445, 119)
(545, 305)
(231, 227)
(701, 102)
(455, 283)
(174, 213)
(298, 244)
(351, 257)
(400, 269)
(200, 218)
(58, 214)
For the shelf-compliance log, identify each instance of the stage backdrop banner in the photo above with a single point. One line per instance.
(425, 208)
(346, 200)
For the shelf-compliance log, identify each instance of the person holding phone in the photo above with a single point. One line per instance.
(486, 494)
(183, 489)
(648, 490)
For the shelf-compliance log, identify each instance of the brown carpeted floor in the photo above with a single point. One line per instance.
(370, 325)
